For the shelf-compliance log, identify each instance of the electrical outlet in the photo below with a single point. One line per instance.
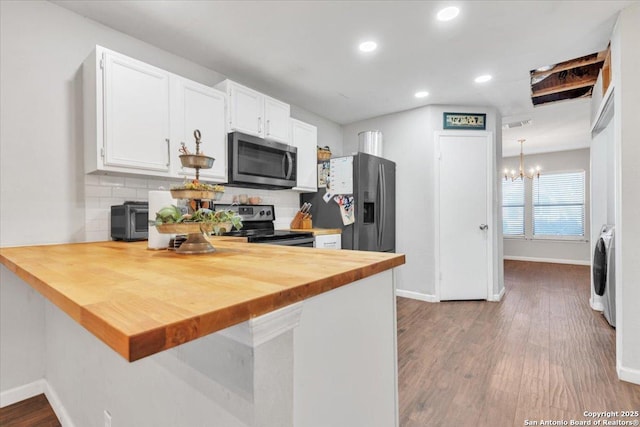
(107, 418)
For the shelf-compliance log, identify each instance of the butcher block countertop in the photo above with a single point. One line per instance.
(140, 302)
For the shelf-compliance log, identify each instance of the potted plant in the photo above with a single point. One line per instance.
(171, 218)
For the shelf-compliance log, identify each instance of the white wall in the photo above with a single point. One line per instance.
(22, 328)
(543, 249)
(42, 49)
(625, 66)
(45, 196)
(409, 141)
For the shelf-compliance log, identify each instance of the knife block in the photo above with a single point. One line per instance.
(296, 222)
(307, 223)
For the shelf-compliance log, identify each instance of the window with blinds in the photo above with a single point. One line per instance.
(513, 207)
(558, 204)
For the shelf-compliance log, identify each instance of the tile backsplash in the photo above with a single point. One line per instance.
(103, 191)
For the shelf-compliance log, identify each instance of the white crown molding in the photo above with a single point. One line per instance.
(264, 328)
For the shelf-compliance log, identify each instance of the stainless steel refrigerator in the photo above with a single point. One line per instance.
(374, 191)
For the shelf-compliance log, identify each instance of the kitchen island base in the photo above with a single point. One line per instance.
(327, 360)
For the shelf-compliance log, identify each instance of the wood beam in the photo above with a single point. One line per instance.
(573, 63)
(564, 87)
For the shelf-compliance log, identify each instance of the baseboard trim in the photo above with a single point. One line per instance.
(58, 408)
(550, 260)
(497, 297)
(416, 295)
(23, 392)
(20, 393)
(596, 305)
(629, 375)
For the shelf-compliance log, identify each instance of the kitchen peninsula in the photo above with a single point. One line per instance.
(252, 335)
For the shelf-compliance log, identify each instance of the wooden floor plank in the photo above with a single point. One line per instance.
(31, 412)
(541, 353)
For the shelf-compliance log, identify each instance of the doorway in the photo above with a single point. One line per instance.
(463, 215)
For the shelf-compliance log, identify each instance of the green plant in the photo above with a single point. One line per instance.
(173, 215)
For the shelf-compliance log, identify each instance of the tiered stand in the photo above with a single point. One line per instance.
(196, 232)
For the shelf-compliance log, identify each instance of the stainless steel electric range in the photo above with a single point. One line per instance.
(258, 226)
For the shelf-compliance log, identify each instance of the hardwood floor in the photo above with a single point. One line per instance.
(540, 354)
(32, 412)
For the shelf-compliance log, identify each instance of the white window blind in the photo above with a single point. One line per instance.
(513, 207)
(558, 204)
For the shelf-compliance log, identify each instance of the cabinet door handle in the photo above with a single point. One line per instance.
(168, 151)
(259, 124)
(268, 127)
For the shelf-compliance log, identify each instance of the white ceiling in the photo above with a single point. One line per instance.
(305, 52)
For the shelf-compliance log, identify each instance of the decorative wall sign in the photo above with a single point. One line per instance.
(473, 121)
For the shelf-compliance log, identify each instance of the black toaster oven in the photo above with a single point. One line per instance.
(130, 221)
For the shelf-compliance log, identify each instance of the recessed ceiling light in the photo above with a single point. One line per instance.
(448, 13)
(368, 46)
(483, 79)
(421, 94)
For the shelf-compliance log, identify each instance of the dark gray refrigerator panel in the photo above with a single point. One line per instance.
(374, 198)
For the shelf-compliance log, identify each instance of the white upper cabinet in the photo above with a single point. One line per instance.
(305, 137)
(246, 110)
(276, 114)
(254, 113)
(196, 106)
(136, 115)
(127, 115)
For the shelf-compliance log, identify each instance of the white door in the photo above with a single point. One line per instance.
(247, 110)
(305, 138)
(196, 106)
(276, 114)
(136, 114)
(464, 197)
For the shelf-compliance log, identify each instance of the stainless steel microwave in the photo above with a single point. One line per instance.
(130, 221)
(258, 163)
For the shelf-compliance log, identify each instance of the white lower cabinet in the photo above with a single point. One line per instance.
(196, 106)
(328, 241)
(305, 138)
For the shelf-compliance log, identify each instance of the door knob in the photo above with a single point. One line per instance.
(484, 227)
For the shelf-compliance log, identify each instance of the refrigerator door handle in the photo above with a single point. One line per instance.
(383, 215)
(380, 202)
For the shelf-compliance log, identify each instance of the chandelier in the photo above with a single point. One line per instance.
(533, 173)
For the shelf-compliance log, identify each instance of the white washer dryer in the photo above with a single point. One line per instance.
(604, 272)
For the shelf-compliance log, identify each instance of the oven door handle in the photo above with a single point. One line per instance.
(306, 241)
